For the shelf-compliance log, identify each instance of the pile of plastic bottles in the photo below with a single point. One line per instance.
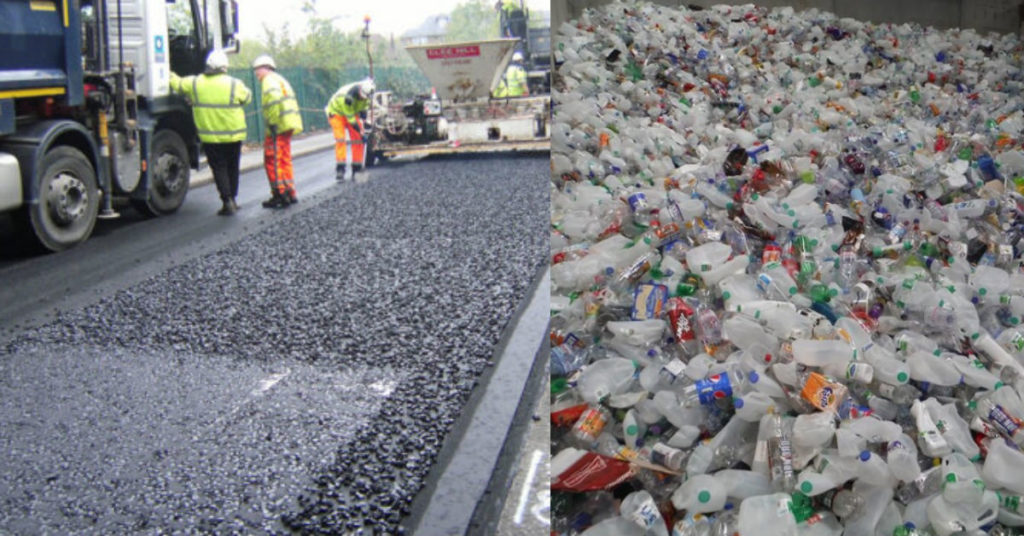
(787, 280)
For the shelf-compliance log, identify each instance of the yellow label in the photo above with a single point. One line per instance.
(42, 5)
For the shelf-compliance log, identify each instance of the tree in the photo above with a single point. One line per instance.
(473, 20)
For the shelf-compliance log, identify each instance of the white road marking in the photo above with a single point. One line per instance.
(527, 485)
(384, 387)
(543, 504)
(270, 381)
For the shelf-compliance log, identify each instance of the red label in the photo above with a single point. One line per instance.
(445, 53)
(592, 472)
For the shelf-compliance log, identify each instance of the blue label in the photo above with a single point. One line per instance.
(158, 49)
(637, 201)
(713, 388)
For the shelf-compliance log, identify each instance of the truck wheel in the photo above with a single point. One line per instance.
(69, 199)
(168, 177)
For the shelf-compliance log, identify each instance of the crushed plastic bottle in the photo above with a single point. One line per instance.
(788, 294)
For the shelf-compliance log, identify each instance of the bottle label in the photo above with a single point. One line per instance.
(591, 424)
(638, 201)
(1010, 502)
(822, 393)
(666, 456)
(674, 368)
(670, 232)
(780, 459)
(715, 387)
(764, 282)
(648, 301)
(1007, 423)
(691, 524)
(646, 515)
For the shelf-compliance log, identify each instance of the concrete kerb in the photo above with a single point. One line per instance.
(252, 157)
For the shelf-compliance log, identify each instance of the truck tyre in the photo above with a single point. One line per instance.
(68, 199)
(168, 177)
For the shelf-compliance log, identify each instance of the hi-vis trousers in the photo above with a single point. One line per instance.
(277, 160)
(349, 147)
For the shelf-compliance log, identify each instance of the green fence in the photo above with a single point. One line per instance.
(314, 86)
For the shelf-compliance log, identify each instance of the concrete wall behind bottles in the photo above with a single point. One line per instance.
(984, 15)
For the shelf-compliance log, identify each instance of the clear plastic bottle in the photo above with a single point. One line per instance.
(640, 508)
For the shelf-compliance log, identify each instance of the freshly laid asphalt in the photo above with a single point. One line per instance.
(279, 371)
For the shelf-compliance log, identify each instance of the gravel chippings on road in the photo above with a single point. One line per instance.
(415, 273)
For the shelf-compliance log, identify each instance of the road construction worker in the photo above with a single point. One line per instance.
(513, 84)
(218, 102)
(513, 18)
(281, 115)
(344, 113)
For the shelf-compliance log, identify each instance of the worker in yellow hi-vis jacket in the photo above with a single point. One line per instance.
(343, 112)
(218, 102)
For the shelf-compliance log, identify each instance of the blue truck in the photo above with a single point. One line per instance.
(87, 121)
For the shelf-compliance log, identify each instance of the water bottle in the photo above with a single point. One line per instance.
(588, 427)
(1001, 418)
(767, 515)
(726, 523)
(780, 452)
(933, 369)
(873, 470)
(929, 440)
(741, 484)
(843, 502)
(604, 378)
(813, 483)
(694, 525)
(816, 353)
(640, 508)
(715, 388)
(948, 517)
(700, 494)
(615, 526)
(901, 456)
(752, 406)
(814, 429)
(1004, 467)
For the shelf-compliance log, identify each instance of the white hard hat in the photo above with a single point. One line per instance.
(517, 56)
(366, 87)
(264, 61)
(217, 60)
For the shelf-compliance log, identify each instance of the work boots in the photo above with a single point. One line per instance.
(228, 208)
(276, 201)
(343, 173)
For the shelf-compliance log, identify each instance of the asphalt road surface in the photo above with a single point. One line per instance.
(274, 372)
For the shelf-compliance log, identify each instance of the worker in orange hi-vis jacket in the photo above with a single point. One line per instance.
(281, 114)
(343, 112)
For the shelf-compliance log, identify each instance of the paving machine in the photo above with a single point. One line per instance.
(460, 115)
